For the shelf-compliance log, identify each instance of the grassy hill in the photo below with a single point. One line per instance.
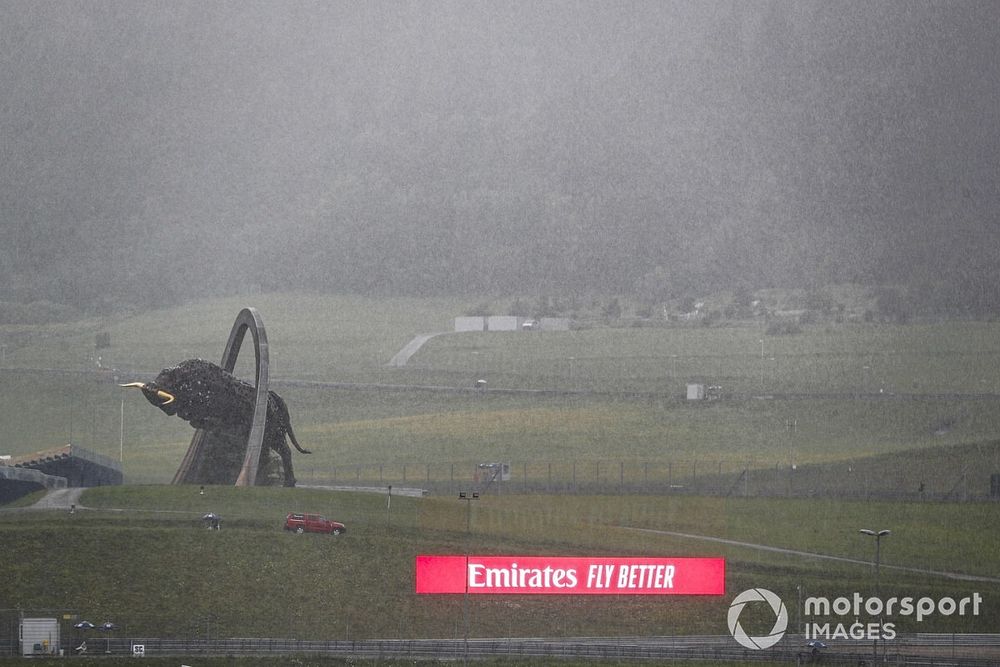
(612, 409)
(313, 337)
(838, 411)
(142, 558)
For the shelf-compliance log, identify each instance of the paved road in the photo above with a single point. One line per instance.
(400, 358)
(384, 490)
(808, 554)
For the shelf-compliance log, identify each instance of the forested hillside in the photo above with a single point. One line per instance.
(156, 152)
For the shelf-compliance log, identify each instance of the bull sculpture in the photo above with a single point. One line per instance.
(211, 398)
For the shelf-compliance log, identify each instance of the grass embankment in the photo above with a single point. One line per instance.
(555, 442)
(144, 560)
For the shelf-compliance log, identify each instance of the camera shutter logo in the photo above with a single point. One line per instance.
(780, 622)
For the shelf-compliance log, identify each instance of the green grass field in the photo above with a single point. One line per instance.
(142, 558)
(388, 434)
(610, 454)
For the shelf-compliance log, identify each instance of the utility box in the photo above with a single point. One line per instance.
(39, 636)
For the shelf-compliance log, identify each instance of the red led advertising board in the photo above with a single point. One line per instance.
(548, 575)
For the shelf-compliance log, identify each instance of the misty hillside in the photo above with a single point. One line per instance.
(158, 151)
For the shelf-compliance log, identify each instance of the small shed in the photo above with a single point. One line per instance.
(503, 323)
(470, 323)
(695, 391)
(39, 636)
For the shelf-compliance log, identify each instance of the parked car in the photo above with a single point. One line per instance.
(313, 523)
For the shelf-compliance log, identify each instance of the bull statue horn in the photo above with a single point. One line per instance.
(167, 397)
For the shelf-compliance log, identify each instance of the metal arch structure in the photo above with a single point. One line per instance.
(190, 468)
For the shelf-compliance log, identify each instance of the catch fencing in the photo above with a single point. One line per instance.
(727, 478)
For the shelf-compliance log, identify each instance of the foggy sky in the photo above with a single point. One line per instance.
(157, 150)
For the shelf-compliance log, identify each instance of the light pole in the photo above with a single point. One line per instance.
(468, 498)
(388, 507)
(761, 365)
(108, 627)
(878, 557)
(121, 431)
(83, 626)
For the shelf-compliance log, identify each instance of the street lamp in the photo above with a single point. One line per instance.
(121, 431)
(108, 627)
(878, 557)
(878, 541)
(468, 498)
(388, 507)
(83, 626)
(761, 341)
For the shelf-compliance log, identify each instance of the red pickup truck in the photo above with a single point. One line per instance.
(313, 523)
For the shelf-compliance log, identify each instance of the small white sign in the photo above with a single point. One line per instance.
(138, 650)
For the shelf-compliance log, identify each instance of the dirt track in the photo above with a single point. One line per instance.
(59, 499)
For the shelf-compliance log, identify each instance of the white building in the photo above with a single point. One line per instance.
(470, 324)
(39, 636)
(503, 323)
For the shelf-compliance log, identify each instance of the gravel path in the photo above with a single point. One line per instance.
(58, 499)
